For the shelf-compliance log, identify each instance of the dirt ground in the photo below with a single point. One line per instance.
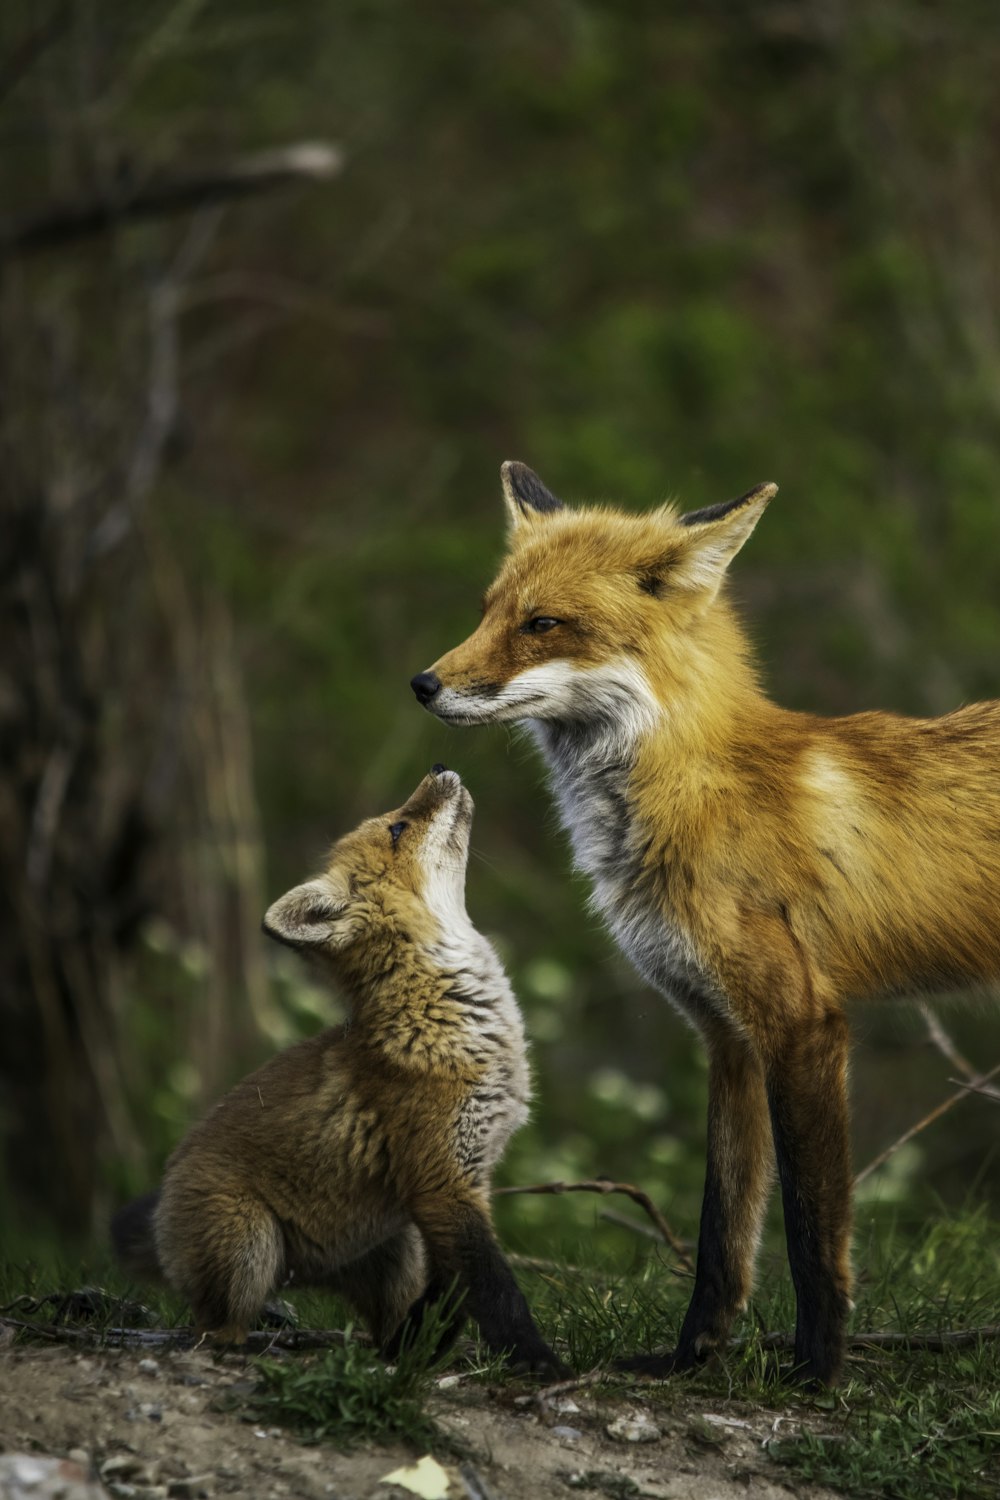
(170, 1426)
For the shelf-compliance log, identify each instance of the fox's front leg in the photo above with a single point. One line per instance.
(463, 1253)
(737, 1182)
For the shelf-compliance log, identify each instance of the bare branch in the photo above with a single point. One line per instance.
(935, 1114)
(946, 1046)
(605, 1185)
(977, 1088)
(622, 1221)
(60, 224)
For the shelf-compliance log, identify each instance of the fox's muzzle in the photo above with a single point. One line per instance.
(438, 787)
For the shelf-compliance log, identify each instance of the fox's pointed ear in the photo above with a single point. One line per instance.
(309, 916)
(715, 536)
(524, 494)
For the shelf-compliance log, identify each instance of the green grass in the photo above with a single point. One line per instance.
(349, 1396)
(906, 1423)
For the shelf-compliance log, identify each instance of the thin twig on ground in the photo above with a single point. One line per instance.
(934, 1343)
(605, 1185)
(973, 1086)
(296, 1339)
(563, 1387)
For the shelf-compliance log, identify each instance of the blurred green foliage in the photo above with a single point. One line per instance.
(650, 250)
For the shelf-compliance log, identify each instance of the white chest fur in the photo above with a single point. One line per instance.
(590, 779)
(494, 1039)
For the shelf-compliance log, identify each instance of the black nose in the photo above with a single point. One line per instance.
(425, 685)
(437, 768)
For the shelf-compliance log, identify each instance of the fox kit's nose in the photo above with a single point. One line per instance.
(425, 685)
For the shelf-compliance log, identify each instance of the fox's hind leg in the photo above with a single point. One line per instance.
(224, 1253)
(799, 1031)
(384, 1283)
(807, 1090)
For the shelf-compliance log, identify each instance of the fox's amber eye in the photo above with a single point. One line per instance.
(395, 830)
(539, 625)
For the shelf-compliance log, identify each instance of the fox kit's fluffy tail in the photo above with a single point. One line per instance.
(133, 1239)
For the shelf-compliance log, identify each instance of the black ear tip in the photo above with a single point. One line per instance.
(526, 487)
(765, 491)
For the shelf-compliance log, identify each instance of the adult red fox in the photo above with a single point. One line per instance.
(758, 866)
(361, 1159)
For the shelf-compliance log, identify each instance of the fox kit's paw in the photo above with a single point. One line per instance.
(541, 1363)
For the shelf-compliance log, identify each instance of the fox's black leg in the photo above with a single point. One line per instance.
(737, 1181)
(807, 1090)
(463, 1250)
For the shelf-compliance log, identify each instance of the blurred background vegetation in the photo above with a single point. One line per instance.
(249, 481)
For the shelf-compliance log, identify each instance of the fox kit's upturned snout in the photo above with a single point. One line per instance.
(758, 866)
(361, 1159)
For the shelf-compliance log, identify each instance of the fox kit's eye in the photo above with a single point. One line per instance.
(395, 830)
(539, 625)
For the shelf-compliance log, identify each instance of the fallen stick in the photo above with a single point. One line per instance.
(935, 1343)
(604, 1185)
(261, 1340)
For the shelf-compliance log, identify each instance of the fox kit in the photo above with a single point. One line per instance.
(361, 1159)
(760, 867)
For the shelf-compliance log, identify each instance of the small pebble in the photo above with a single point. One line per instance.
(634, 1429)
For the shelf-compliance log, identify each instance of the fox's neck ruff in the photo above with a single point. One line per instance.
(442, 1005)
(441, 994)
(598, 768)
(660, 710)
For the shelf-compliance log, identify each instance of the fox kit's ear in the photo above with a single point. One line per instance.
(310, 916)
(716, 534)
(524, 494)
